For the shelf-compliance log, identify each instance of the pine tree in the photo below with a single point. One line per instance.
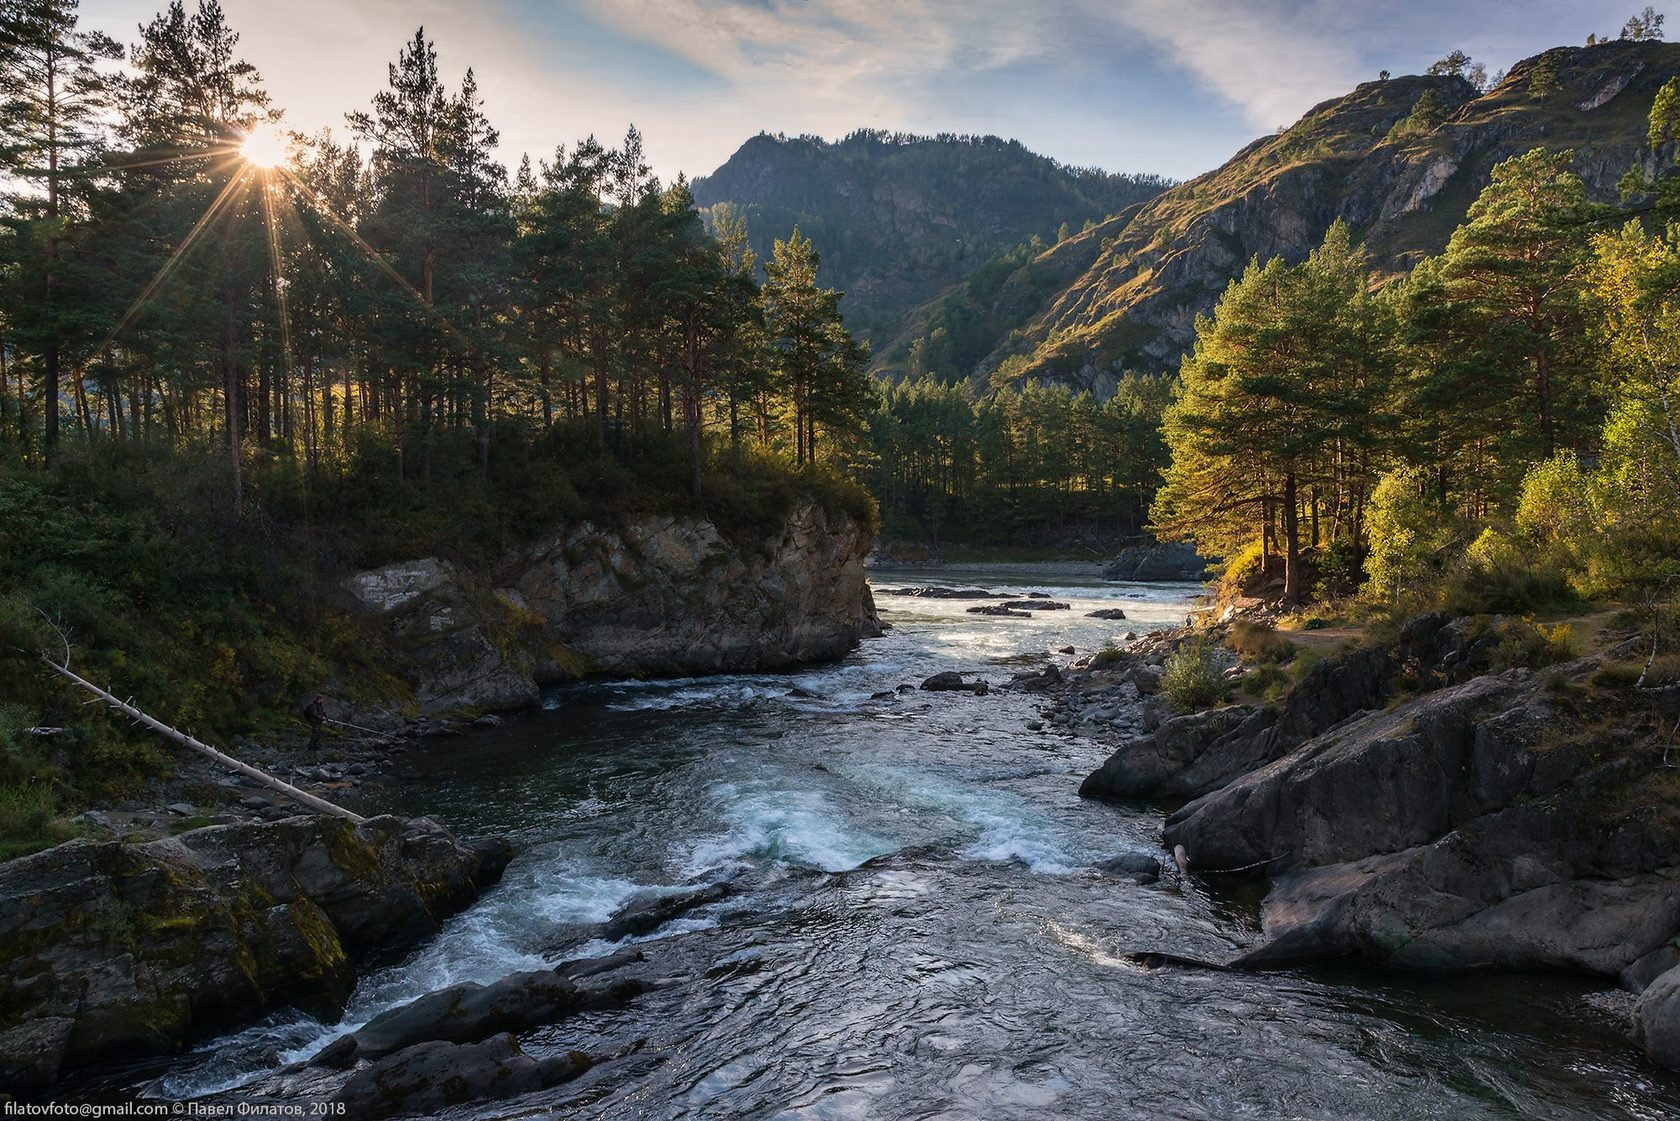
(53, 97)
(1507, 302)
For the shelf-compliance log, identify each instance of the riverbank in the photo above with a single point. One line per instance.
(1470, 794)
(911, 870)
(412, 647)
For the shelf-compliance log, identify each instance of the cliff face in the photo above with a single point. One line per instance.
(654, 595)
(1403, 181)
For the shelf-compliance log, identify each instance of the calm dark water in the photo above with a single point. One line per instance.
(922, 932)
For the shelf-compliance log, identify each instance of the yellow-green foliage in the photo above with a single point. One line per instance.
(1241, 570)
(1191, 678)
(1411, 536)
(1523, 643)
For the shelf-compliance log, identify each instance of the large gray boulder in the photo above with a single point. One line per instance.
(430, 1077)
(1462, 830)
(1656, 1020)
(468, 1012)
(1191, 755)
(114, 950)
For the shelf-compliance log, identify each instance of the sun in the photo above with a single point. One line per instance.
(264, 146)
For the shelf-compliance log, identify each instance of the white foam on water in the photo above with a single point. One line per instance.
(600, 947)
(793, 826)
(1004, 825)
(505, 932)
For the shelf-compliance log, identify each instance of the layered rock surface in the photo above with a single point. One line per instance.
(1495, 820)
(116, 950)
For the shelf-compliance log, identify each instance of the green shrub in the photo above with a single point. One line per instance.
(1411, 534)
(1265, 681)
(1531, 645)
(1508, 585)
(1191, 678)
(1304, 662)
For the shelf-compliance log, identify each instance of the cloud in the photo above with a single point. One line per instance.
(1172, 86)
(1273, 60)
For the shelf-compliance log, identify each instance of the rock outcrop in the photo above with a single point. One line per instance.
(1188, 756)
(670, 595)
(1454, 832)
(654, 595)
(1493, 820)
(114, 950)
(1163, 560)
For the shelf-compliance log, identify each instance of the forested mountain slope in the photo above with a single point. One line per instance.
(900, 218)
(1400, 160)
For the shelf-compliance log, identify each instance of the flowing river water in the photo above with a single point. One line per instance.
(921, 929)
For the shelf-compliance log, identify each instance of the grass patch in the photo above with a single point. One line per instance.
(1109, 655)
(1259, 642)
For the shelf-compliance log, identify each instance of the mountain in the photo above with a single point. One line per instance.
(900, 218)
(1401, 160)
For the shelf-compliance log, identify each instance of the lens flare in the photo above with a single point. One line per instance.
(264, 146)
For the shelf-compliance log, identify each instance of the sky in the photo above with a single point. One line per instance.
(1170, 87)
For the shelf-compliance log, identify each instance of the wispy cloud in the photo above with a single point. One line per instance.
(1151, 85)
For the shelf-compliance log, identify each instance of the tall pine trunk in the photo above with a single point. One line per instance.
(1292, 542)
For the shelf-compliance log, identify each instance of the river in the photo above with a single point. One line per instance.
(921, 930)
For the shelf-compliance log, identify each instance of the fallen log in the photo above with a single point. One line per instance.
(203, 748)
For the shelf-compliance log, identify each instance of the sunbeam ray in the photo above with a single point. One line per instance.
(217, 205)
(267, 186)
(325, 210)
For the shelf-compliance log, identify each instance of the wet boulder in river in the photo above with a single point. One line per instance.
(430, 1077)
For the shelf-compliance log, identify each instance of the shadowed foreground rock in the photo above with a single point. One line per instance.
(1516, 820)
(469, 1012)
(428, 1077)
(114, 950)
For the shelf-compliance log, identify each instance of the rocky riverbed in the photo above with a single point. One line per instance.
(870, 888)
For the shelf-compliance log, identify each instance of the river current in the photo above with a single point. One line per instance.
(921, 928)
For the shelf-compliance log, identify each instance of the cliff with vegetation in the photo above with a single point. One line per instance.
(900, 218)
(649, 595)
(406, 606)
(1399, 160)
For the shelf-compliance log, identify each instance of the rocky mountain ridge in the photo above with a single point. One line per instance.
(899, 218)
(1400, 160)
